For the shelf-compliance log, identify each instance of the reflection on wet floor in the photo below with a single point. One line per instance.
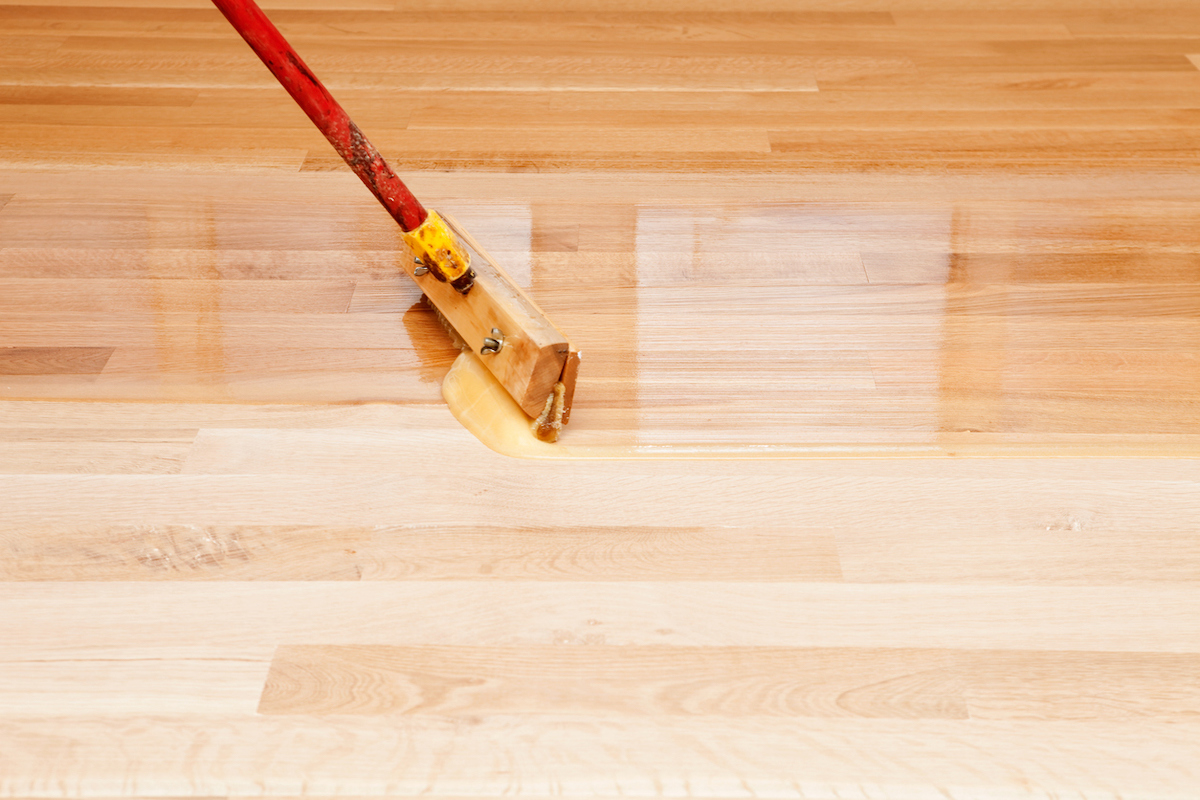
(991, 310)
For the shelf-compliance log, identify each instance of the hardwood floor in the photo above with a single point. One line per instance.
(882, 479)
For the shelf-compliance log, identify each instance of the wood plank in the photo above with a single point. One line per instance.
(637, 26)
(997, 147)
(159, 234)
(51, 419)
(939, 94)
(94, 96)
(416, 330)
(91, 259)
(109, 458)
(1140, 267)
(637, 553)
(160, 296)
(389, 553)
(184, 617)
(1084, 686)
(74, 150)
(57, 686)
(89, 450)
(53, 360)
(690, 493)
(1126, 25)
(643, 26)
(729, 682)
(206, 755)
(181, 553)
(1069, 547)
(453, 117)
(634, 681)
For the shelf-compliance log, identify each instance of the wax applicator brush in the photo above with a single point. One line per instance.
(485, 310)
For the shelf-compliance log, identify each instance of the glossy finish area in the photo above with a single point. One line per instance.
(247, 550)
(959, 312)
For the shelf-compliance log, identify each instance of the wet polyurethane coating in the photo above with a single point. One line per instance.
(483, 407)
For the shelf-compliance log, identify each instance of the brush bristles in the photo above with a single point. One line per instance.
(454, 337)
(549, 423)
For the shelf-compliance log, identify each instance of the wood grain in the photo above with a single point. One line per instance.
(603, 553)
(395, 552)
(180, 618)
(562, 69)
(149, 552)
(1069, 547)
(602, 681)
(53, 360)
(598, 758)
(247, 551)
(49, 686)
(105, 457)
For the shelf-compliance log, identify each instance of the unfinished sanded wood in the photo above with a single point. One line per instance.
(151, 552)
(1067, 547)
(44, 685)
(602, 682)
(398, 552)
(600, 758)
(601, 553)
(193, 618)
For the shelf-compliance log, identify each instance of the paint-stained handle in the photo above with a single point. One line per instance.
(325, 112)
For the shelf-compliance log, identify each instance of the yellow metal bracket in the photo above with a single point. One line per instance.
(438, 250)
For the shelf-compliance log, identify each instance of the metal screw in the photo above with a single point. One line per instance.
(493, 343)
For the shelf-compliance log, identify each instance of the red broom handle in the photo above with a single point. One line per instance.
(332, 120)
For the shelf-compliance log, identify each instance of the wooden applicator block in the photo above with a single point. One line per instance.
(504, 327)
